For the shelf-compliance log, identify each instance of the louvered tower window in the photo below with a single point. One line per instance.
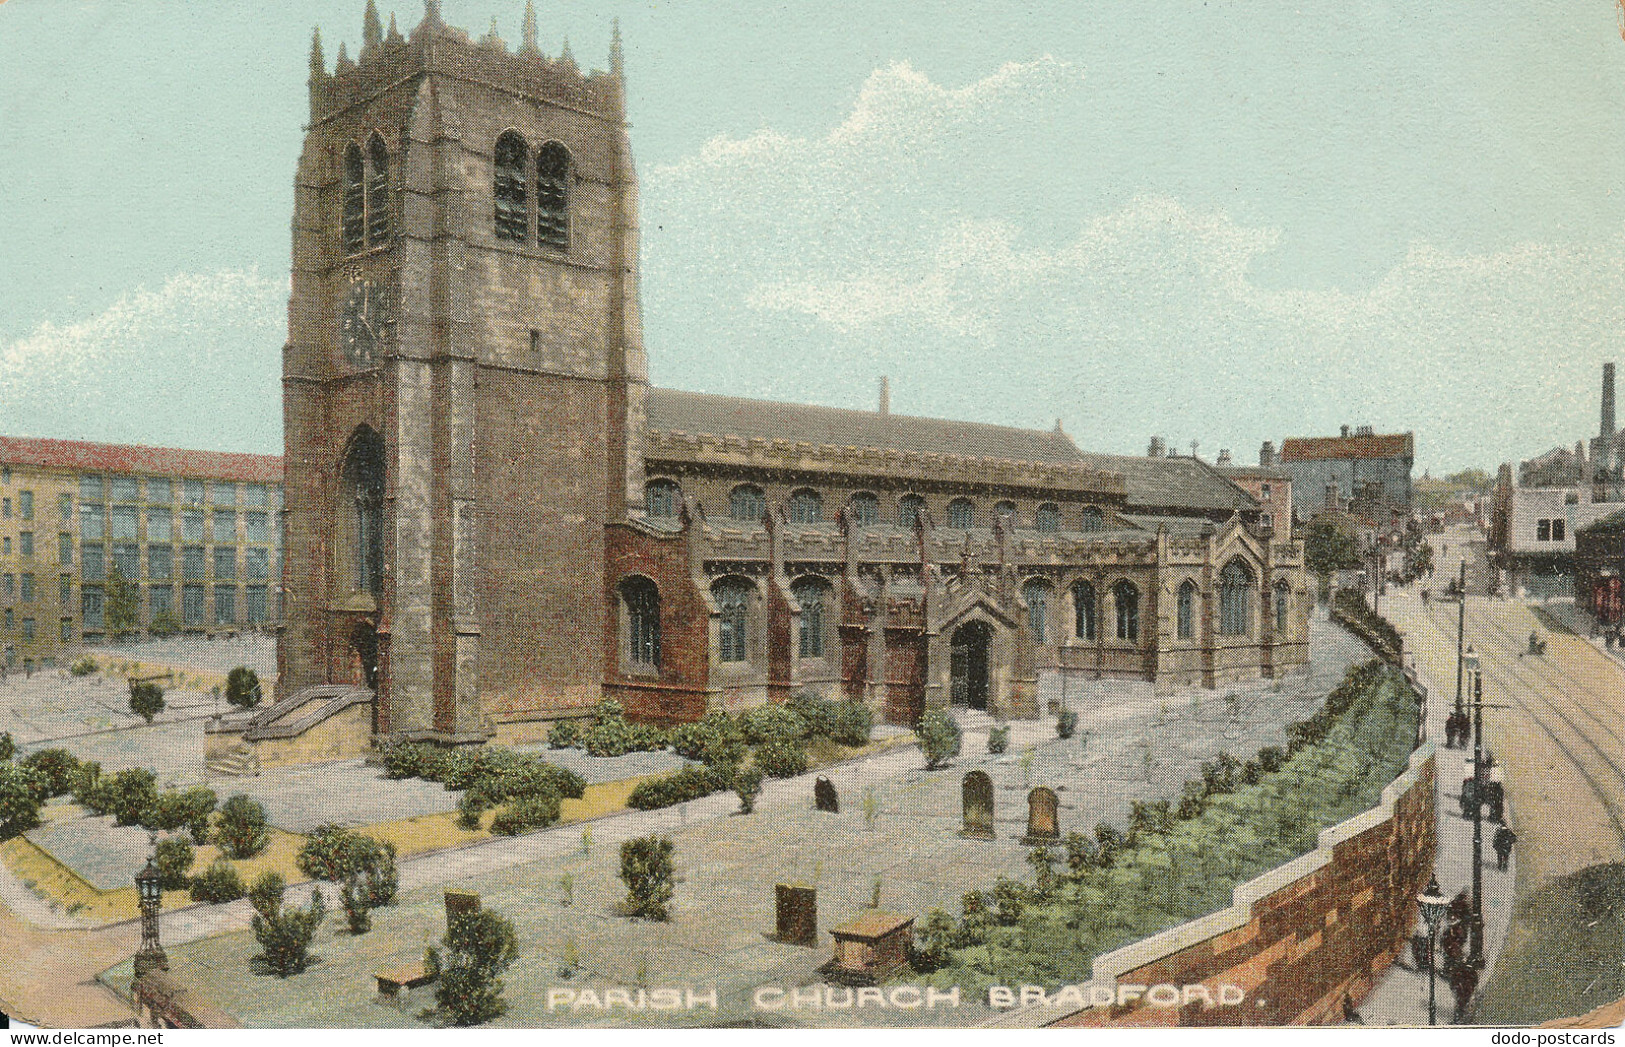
(378, 193)
(553, 196)
(355, 201)
(510, 188)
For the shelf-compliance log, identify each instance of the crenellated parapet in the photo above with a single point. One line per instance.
(388, 59)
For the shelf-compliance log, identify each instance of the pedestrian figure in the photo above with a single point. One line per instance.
(1463, 983)
(1469, 794)
(824, 796)
(1504, 839)
(1495, 796)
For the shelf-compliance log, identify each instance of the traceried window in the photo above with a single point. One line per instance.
(1048, 518)
(1187, 610)
(661, 499)
(1283, 601)
(961, 514)
(194, 564)
(642, 600)
(123, 520)
(746, 503)
(806, 506)
(1093, 519)
(192, 602)
(93, 563)
(225, 525)
(1127, 599)
(512, 192)
(865, 509)
(254, 609)
(127, 560)
(1083, 611)
(733, 601)
(355, 200)
(810, 595)
(378, 192)
(1235, 599)
(553, 196)
(1036, 594)
(910, 509)
(192, 525)
(92, 609)
(256, 563)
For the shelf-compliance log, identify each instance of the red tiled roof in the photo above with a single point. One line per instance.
(80, 456)
(1381, 445)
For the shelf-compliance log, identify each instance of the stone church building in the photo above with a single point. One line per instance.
(493, 520)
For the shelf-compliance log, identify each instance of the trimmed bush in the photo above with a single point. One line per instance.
(83, 666)
(241, 827)
(284, 934)
(174, 862)
(817, 713)
(22, 791)
(217, 884)
(690, 783)
(470, 811)
(715, 739)
(566, 734)
(146, 699)
(164, 625)
(649, 875)
(173, 809)
(527, 814)
(58, 767)
(748, 785)
(479, 946)
(8, 747)
(853, 723)
(243, 687)
(406, 760)
(772, 723)
(940, 738)
(783, 759)
(998, 739)
(129, 795)
(336, 854)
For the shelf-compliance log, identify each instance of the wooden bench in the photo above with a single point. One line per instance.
(390, 983)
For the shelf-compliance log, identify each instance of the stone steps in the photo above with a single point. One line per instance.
(241, 762)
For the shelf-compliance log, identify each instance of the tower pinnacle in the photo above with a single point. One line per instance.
(617, 63)
(529, 46)
(318, 61)
(372, 30)
(565, 55)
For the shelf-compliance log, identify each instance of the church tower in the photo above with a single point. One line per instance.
(464, 380)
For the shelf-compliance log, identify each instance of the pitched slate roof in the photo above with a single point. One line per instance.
(1379, 445)
(1173, 483)
(675, 410)
(80, 456)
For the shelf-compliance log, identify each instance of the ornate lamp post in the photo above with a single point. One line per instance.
(1475, 955)
(1433, 905)
(151, 956)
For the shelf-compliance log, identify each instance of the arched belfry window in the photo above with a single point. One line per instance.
(1127, 599)
(642, 600)
(733, 601)
(1187, 610)
(355, 200)
(510, 188)
(362, 502)
(377, 192)
(1235, 599)
(809, 593)
(1083, 611)
(553, 196)
(1283, 600)
(661, 499)
(747, 503)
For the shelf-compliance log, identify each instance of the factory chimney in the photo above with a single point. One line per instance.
(1608, 429)
(885, 395)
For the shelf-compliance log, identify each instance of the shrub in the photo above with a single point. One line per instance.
(22, 791)
(933, 942)
(83, 666)
(406, 760)
(243, 687)
(772, 723)
(89, 789)
(284, 935)
(690, 783)
(1110, 843)
(164, 625)
(218, 883)
(816, 713)
(998, 739)
(470, 810)
(240, 829)
(172, 809)
(783, 759)
(527, 814)
(8, 747)
(748, 784)
(853, 723)
(58, 767)
(174, 861)
(479, 946)
(356, 904)
(647, 871)
(146, 699)
(1271, 758)
(1066, 721)
(608, 738)
(939, 737)
(130, 794)
(503, 775)
(714, 739)
(337, 854)
(566, 734)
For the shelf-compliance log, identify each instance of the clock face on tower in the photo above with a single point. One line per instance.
(362, 321)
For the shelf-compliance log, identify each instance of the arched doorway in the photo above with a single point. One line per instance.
(364, 653)
(967, 665)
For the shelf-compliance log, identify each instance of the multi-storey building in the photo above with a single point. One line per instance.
(493, 519)
(195, 535)
(1359, 466)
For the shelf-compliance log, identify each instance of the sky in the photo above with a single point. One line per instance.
(1225, 222)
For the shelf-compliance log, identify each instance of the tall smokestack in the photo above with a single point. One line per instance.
(1608, 429)
(885, 395)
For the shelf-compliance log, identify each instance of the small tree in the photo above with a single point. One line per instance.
(748, 784)
(1066, 721)
(123, 605)
(939, 737)
(480, 945)
(174, 861)
(1327, 548)
(353, 898)
(57, 766)
(218, 883)
(22, 791)
(284, 935)
(336, 854)
(647, 870)
(164, 625)
(240, 830)
(8, 747)
(130, 795)
(998, 739)
(146, 699)
(243, 687)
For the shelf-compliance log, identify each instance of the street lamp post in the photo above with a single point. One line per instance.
(1475, 954)
(151, 956)
(1461, 627)
(1433, 905)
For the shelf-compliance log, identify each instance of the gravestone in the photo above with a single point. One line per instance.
(796, 912)
(824, 796)
(976, 794)
(1042, 824)
(461, 903)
